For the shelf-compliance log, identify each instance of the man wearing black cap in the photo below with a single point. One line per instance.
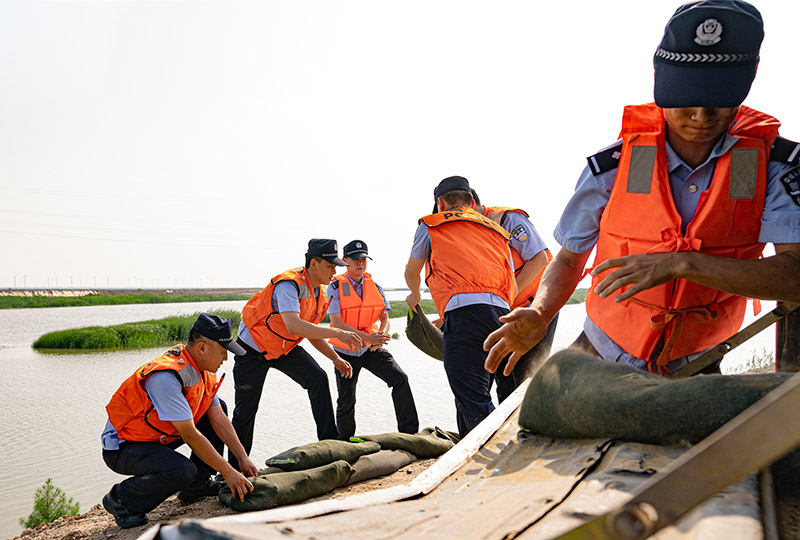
(274, 322)
(359, 305)
(679, 209)
(169, 401)
(471, 278)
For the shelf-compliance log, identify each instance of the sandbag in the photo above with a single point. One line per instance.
(277, 489)
(428, 443)
(321, 453)
(578, 396)
(379, 464)
(422, 333)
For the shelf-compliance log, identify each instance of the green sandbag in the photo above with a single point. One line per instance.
(379, 464)
(578, 396)
(422, 333)
(277, 489)
(321, 453)
(428, 443)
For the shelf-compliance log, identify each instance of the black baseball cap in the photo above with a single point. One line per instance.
(327, 249)
(451, 183)
(216, 328)
(708, 55)
(357, 249)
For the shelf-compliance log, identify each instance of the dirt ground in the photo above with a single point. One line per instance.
(97, 524)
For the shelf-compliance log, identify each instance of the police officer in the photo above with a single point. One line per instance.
(358, 304)
(169, 401)
(274, 322)
(471, 279)
(679, 209)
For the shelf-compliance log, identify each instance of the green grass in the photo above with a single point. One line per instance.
(16, 302)
(138, 335)
(578, 297)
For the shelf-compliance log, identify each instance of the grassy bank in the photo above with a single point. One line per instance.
(138, 335)
(15, 302)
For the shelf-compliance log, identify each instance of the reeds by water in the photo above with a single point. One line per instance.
(138, 335)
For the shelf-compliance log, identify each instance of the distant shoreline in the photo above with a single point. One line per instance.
(64, 292)
(61, 293)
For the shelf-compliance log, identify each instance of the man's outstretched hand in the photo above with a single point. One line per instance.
(522, 329)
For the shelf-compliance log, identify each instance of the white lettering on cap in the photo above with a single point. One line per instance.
(709, 32)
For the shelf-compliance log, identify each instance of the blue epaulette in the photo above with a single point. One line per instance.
(606, 159)
(785, 151)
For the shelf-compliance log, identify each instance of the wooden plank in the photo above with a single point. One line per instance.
(734, 513)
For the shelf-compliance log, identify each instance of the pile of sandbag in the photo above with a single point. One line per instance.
(303, 472)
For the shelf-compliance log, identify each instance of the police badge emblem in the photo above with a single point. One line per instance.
(709, 32)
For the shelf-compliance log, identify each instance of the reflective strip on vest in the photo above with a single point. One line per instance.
(744, 173)
(643, 161)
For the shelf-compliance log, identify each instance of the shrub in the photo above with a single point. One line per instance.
(138, 335)
(49, 504)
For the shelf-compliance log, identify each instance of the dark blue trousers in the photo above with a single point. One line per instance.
(249, 373)
(465, 330)
(158, 470)
(381, 364)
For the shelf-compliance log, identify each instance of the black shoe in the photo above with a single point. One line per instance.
(122, 516)
(200, 488)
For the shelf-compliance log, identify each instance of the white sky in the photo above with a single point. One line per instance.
(184, 144)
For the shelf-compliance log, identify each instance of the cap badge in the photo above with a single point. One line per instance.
(359, 245)
(709, 32)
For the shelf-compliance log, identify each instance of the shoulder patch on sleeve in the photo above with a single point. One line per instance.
(606, 159)
(785, 151)
(519, 233)
(791, 183)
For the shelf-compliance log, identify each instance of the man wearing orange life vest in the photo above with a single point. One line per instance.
(274, 321)
(471, 278)
(530, 257)
(165, 403)
(359, 305)
(679, 209)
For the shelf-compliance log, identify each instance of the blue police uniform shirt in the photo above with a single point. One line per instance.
(285, 297)
(579, 226)
(422, 249)
(166, 393)
(334, 307)
(524, 237)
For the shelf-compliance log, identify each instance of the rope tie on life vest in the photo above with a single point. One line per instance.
(672, 240)
(660, 320)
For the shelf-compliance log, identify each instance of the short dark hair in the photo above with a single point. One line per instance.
(475, 197)
(457, 196)
(310, 258)
(194, 337)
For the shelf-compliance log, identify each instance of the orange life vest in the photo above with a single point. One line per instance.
(641, 217)
(359, 312)
(526, 295)
(266, 325)
(131, 411)
(469, 254)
